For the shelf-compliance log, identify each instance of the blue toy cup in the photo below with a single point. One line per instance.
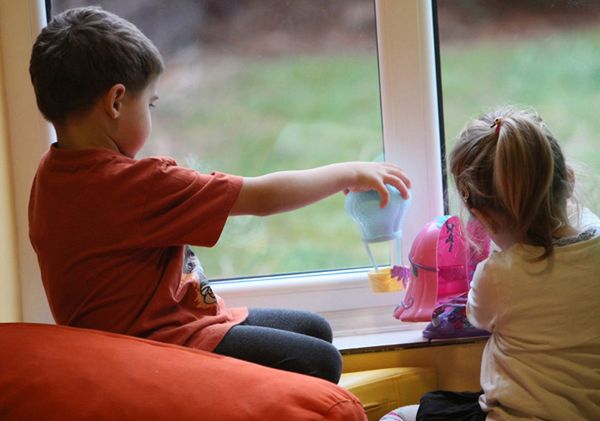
(377, 224)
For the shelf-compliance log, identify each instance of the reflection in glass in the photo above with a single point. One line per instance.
(264, 85)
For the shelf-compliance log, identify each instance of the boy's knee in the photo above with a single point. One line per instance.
(329, 365)
(320, 328)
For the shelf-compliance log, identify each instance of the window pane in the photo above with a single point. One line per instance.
(262, 85)
(542, 54)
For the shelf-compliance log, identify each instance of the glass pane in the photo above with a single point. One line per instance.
(262, 85)
(542, 54)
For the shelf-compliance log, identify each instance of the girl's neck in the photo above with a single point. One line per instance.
(566, 231)
(505, 240)
(502, 240)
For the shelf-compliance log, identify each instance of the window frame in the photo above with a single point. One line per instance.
(411, 132)
(407, 69)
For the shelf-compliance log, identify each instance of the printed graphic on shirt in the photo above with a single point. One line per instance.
(193, 275)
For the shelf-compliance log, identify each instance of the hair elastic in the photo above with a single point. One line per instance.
(497, 123)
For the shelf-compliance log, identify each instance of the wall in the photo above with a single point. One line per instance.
(10, 301)
(24, 138)
(457, 366)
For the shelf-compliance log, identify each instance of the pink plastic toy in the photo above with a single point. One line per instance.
(441, 268)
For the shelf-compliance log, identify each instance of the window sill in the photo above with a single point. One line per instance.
(344, 298)
(390, 341)
(362, 320)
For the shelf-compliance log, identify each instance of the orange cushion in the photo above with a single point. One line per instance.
(61, 373)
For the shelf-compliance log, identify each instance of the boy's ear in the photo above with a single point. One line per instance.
(113, 100)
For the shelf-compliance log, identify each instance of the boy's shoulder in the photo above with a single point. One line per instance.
(76, 166)
(81, 158)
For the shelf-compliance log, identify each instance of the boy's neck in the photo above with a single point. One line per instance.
(85, 131)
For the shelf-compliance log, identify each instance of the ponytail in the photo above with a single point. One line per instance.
(509, 164)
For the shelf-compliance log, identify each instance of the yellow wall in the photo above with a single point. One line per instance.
(23, 139)
(10, 302)
(457, 366)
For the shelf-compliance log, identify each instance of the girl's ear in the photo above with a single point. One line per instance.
(571, 180)
(113, 100)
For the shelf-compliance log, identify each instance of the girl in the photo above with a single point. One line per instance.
(538, 293)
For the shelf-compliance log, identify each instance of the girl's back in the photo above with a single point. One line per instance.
(543, 357)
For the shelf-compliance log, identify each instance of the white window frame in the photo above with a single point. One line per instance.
(409, 102)
(411, 139)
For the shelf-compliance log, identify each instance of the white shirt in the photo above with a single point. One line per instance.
(542, 360)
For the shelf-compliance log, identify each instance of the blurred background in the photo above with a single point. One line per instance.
(254, 86)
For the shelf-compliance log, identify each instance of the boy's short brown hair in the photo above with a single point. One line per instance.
(81, 54)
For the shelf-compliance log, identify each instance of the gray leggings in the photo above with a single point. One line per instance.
(291, 340)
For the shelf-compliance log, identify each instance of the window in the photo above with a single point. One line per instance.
(541, 54)
(259, 86)
(404, 114)
(530, 52)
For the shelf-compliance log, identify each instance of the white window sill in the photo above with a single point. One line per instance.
(362, 320)
(344, 298)
(388, 341)
(381, 340)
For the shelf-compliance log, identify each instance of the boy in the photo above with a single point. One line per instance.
(110, 231)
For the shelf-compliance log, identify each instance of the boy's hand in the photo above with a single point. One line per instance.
(375, 175)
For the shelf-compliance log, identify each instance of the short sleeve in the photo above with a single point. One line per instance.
(184, 206)
(482, 304)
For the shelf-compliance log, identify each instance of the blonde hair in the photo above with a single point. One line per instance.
(508, 164)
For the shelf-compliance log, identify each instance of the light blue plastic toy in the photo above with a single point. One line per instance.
(379, 224)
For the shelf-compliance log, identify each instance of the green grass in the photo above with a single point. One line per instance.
(287, 114)
(559, 76)
(300, 112)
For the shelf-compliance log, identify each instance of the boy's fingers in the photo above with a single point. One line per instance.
(398, 178)
(401, 185)
(405, 179)
(402, 176)
(384, 195)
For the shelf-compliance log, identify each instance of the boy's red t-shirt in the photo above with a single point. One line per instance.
(110, 231)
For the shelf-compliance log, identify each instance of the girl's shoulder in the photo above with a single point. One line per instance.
(588, 224)
(587, 234)
(525, 255)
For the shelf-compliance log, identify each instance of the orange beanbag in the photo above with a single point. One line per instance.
(61, 373)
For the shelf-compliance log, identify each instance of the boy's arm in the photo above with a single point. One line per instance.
(288, 190)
